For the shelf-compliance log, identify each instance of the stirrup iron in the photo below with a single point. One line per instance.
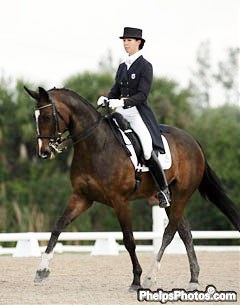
(164, 198)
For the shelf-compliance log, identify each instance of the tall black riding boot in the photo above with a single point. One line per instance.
(159, 178)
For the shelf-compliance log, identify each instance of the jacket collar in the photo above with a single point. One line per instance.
(132, 58)
(135, 62)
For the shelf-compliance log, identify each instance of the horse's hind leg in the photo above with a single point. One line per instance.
(75, 207)
(186, 236)
(168, 236)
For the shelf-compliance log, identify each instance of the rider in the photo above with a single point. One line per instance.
(129, 97)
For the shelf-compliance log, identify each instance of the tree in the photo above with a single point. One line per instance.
(201, 81)
(228, 76)
(218, 132)
(106, 65)
(170, 103)
(207, 81)
(34, 192)
(90, 85)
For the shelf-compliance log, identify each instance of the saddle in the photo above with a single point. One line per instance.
(130, 141)
(120, 127)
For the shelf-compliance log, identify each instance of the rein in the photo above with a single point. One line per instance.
(86, 133)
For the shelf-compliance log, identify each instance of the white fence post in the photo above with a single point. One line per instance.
(160, 222)
(27, 247)
(105, 246)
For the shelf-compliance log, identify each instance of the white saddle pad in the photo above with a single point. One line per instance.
(165, 159)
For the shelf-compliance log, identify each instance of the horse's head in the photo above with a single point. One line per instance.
(50, 124)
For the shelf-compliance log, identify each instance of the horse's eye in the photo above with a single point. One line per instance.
(45, 117)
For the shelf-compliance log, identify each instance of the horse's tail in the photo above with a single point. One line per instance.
(212, 190)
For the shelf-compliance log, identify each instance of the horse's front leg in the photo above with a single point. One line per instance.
(123, 212)
(75, 207)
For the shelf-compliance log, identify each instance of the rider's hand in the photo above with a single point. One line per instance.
(101, 101)
(114, 103)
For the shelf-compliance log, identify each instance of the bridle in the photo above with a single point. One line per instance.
(57, 136)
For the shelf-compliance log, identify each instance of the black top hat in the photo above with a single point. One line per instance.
(132, 33)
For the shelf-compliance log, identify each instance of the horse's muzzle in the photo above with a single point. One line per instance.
(44, 151)
(46, 154)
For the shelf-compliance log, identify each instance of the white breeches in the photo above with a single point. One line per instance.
(134, 118)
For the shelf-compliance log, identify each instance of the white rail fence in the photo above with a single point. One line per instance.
(105, 243)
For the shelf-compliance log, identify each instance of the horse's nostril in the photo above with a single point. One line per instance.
(44, 154)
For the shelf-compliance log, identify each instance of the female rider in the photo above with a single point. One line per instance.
(129, 97)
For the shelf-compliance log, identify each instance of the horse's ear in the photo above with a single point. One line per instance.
(43, 93)
(32, 93)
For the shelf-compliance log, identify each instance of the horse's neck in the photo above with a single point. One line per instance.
(100, 149)
(83, 117)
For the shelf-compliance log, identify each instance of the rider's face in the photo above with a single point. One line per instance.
(131, 45)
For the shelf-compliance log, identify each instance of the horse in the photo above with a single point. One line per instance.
(102, 171)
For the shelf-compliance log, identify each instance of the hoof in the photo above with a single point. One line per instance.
(41, 275)
(149, 282)
(134, 288)
(192, 286)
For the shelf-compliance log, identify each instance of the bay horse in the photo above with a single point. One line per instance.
(101, 171)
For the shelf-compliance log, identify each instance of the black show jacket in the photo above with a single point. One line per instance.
(139, 80)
